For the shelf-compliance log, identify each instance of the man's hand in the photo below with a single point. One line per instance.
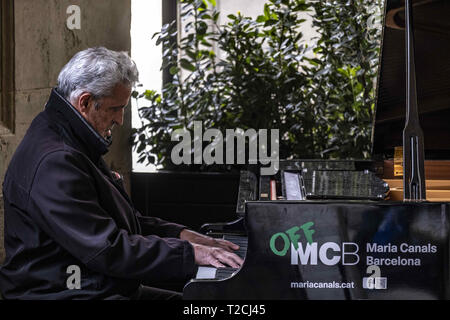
(198, 238)
(217, 257)
(210, 251)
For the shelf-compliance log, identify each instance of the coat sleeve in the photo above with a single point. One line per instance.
(160, 227)
(64, 203)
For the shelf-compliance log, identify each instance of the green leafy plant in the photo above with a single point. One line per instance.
(342, 76)
(262, 77)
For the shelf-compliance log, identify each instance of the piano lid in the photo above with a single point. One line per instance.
(432, 59)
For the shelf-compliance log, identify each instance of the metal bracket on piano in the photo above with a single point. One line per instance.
(413, 147)
(235, 227)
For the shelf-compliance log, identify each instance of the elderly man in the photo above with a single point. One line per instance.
(65, 211)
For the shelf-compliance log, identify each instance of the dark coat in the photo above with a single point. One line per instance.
(63, 207)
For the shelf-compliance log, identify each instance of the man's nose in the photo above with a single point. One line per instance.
(119, 117)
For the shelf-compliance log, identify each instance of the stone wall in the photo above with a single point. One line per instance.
(43, 45)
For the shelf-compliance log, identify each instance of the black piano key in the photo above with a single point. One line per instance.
(223, 273)
(233, 238)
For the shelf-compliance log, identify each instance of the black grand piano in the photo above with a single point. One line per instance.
(347, 229)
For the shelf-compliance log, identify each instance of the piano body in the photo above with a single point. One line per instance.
(356, 229)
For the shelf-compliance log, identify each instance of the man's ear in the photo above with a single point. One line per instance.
(84, 103)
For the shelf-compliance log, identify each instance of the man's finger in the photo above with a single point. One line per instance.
(231, 259)
(216, 263)
(232, 245)
(227, 245)
(238, 260)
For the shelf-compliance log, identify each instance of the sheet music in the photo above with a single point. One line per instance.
(292, 185)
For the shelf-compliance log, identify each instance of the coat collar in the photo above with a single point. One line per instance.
(92, 142)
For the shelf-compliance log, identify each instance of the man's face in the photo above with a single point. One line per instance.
(109, 112)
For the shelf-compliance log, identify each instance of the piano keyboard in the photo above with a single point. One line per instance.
(212, 273)
(241, 241)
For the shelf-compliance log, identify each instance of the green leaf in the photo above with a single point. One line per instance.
(173, 70)
(185, 64)
(267, 11)
(261, 19)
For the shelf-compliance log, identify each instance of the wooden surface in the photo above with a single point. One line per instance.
(434, 170)
(437, 190)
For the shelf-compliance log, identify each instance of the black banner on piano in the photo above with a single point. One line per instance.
(339, 251)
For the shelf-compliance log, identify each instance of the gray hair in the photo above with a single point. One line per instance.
(97, 71)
